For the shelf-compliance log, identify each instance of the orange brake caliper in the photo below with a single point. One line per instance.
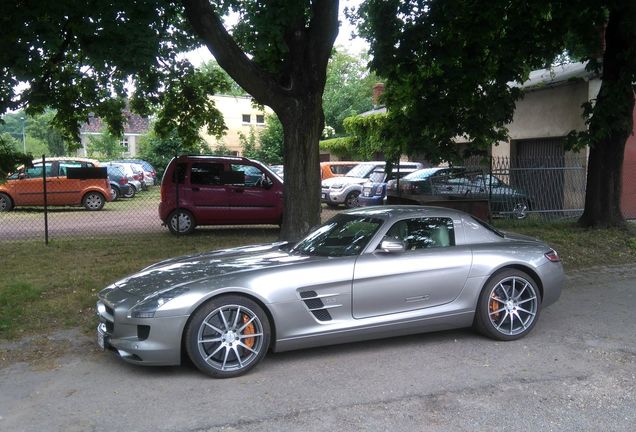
(248, 331)
(494, 305)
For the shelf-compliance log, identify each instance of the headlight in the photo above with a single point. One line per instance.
(337, 186)
(147, 307)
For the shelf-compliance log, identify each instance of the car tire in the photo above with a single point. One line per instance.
(520, 210)
(332, 205)
(227, 336)
(116, 193)
(93, 201)
(187, 224)
(131, 192)
(6, 204)
(351, 201)
(509, 306)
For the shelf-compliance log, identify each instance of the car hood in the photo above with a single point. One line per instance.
(185, 270)
(343, 180)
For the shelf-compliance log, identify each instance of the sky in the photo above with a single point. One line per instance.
(352, 45)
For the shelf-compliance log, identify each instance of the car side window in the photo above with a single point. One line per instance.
(65, 165)
(36, 171)
(206, 173)
(253, 175)
(423, 233)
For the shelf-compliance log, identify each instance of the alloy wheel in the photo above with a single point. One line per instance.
(512, 306)
(230, 338)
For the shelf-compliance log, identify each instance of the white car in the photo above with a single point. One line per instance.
(345, 190)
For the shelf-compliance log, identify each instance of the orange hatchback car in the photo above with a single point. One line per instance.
(69, 181)
(335, 168)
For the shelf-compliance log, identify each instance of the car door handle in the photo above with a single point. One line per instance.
(195, 189)
(417, 298)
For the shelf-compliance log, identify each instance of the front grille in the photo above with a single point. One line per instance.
(110, 327)
(110, 311)
(143, 331)
(315, 305)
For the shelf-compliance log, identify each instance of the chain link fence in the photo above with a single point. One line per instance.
(66, 198)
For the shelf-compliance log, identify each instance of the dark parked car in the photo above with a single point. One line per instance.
(435, 184)
(119, 185)
(150, 173)
(219, 190)
(374, 191)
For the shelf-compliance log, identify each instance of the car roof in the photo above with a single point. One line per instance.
(401, 211)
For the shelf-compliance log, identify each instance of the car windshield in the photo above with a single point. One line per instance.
(421, 174)
(361, 170)
(343, 235)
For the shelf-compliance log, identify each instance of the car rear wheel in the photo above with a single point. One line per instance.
(181, 222)
(227, 336)
(520, 210)
(509, 306)
(93, 201)
(115, 193)
(131, 192)
(5, 202)
(351, 200)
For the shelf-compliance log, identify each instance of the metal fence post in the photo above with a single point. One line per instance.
(490, 191)
(46, 207)
(176, 182)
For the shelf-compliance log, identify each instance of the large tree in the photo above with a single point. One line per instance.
(289, 43)
(448, 65)
(78, 57)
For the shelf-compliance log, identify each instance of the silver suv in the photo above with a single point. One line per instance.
(345, 190)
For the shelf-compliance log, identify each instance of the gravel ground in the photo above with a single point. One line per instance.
(575, 372)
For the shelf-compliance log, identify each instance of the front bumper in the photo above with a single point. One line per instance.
(147, 341)
(333, 196)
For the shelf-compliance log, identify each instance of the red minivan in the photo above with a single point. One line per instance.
(219, 190)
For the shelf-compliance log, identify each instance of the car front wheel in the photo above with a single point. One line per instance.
(93, 201)
(227, 336)
(181, 222)
(508, 306)
(351, 200)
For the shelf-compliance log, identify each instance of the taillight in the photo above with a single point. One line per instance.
(137, 177)
(123, 181)
(552, 256)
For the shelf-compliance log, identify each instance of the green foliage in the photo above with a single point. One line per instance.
(344, 147)
(10, 157)
(249, 144)
(104, 146)
(448, 64)
(266, 145)
(373, 136)
(348, 88)
(159, 150)
(221, 150)
(41, 126)
(271, 141)
(231, 88)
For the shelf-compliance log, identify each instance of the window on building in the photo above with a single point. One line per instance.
(260, 119)
(124, 144)
(247, 118)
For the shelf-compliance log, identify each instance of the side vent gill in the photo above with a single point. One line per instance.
(315, 305)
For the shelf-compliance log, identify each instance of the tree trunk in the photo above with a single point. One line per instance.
(610, 125)
(303, 121)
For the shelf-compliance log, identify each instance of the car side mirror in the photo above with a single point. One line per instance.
(266, 182)
(392, 246)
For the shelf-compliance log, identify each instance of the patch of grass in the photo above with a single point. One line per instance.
(578, 247)
(46, 288)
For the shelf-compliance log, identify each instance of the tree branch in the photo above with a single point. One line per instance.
(323, 30)
(209, 27)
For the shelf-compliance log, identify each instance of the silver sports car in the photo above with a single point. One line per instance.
(367, 273)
